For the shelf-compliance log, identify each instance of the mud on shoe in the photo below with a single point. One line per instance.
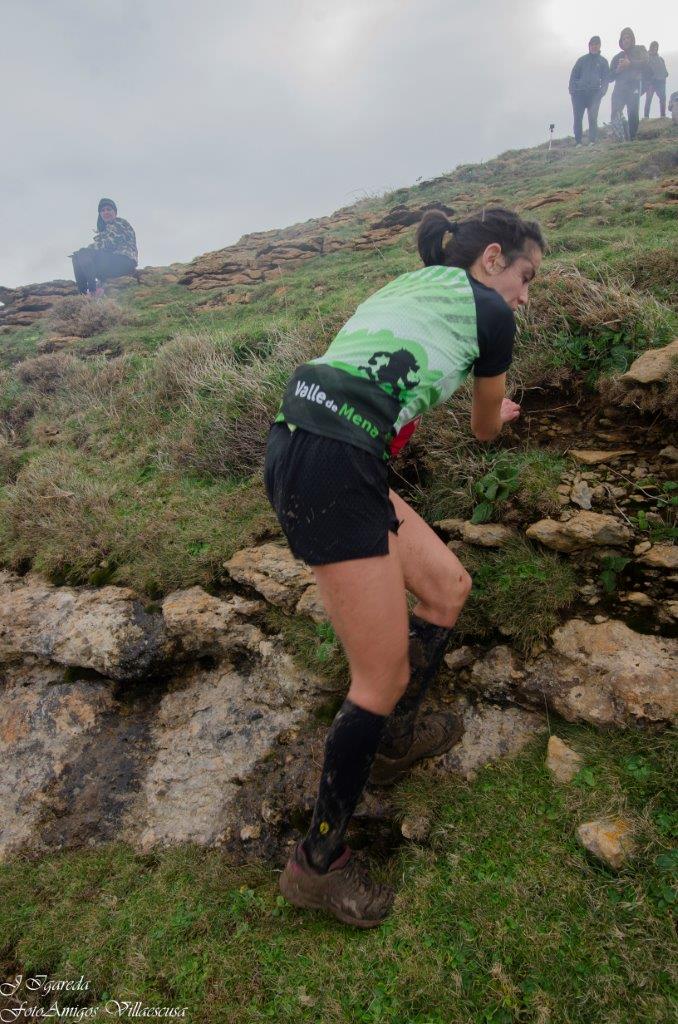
(434, 734)
(346, 890)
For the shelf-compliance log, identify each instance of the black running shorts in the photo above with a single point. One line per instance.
(331, 498)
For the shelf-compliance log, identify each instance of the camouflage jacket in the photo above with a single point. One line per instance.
(118, 236)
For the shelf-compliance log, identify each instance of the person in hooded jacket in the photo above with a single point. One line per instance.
(588, 84)
(627, 70)
(113, 252)
(655, 80)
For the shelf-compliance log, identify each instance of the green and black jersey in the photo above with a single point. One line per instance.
(406, 349)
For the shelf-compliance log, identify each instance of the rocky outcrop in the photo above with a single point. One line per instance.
(274, 572)
(484, 535)
(267, 255)
(106, 630)
(146, 760)
(24, 305)
(602, 673)
(30, 302)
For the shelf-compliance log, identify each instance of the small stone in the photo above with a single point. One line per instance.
(670, 608)
(581, 495)
(249, 832)
(600, 618)
(641, 548)
(608, 839)
(670, 452)
(593, 601)
(637, 597)
(460, 658)
(452, 527)
(561, 760)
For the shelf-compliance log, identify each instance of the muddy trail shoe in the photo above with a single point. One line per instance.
(347, 891)
(433, 735)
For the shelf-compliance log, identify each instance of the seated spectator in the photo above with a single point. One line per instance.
(112, 254)
(655, 81)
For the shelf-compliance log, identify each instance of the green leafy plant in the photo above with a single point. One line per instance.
(500, 482)
(612, 566)
(328, 641)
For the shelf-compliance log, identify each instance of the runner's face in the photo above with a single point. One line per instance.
(513, 281)
(626, 41)
(594, 47)
(107, 214)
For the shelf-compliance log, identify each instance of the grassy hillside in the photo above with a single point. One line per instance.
(131, 438)
(131, 455)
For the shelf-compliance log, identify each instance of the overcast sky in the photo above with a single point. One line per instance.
(207, 119)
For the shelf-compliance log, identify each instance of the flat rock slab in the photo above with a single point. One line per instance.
(491, 733)
(592, 457)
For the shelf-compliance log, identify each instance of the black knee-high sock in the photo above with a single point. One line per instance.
(427, 647)
(349, 752)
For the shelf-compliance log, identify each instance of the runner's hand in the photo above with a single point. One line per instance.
(509, 411)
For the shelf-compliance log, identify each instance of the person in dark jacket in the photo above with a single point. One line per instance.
(655, 80)
(588, 84)
(113, 252)
(627, 71)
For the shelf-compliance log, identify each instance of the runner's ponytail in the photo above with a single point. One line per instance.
(432, 229)
(470, 237)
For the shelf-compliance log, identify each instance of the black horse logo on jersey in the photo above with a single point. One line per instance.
(395, 369)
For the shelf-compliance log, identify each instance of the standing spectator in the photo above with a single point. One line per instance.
(673, 106)
(112, 253)
(655, 80)
(627, 70)
(588, 84)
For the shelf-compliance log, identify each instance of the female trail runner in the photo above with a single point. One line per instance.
(407, 348)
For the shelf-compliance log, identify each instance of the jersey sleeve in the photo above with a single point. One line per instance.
(496, 333)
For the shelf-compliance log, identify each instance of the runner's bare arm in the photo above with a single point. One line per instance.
(491, 409)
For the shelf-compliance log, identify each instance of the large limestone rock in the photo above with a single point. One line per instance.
(83, 762)
(106, 630)
(654, 365)
(208, 738)
(602, 673)
(46, 727)
(583, 530)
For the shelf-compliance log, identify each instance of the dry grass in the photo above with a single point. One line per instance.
(659, 398)
(81, 316)
(222, 399)
(564, 300)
